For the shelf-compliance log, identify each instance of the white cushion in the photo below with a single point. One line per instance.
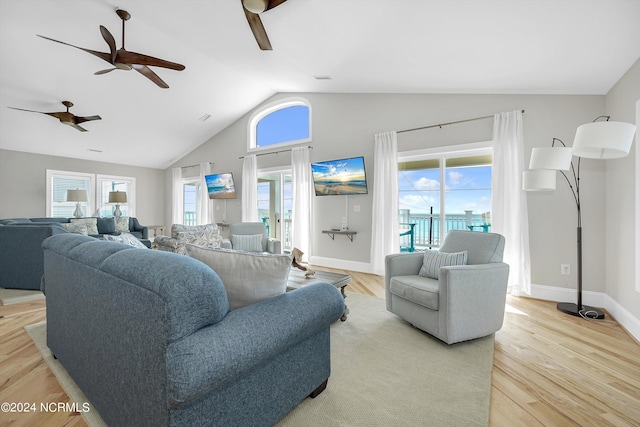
(433, 260)
(91, 223)
(122, 224)
(247, 277)
(247, 242)
(127, 239)
(75, 227)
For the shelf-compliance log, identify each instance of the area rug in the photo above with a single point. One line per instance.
(15, 296)
(384, 372)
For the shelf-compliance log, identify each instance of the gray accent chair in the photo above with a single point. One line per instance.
(148, 337)
(269, 244)
(182, 235)
(465, 302)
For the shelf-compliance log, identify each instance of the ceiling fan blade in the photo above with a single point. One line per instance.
(146, 71)
(108, 37)
(31, 111)
(255, 23)
(87, 119)
(274, 3)
(80, 128)
(108, 70)
(101, 55)
(131, 58)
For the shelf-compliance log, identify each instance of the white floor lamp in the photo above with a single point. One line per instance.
(596, 140)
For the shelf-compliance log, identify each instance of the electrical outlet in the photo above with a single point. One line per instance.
(565, 269)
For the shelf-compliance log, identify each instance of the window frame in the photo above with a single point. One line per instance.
(268, 109)
(131, 194)
(52, 173)
(442, 153)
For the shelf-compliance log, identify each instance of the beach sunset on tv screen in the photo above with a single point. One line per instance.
(221, 186)
(339, 177)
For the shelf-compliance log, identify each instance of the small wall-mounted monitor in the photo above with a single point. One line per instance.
(339, 177)
(221, 186)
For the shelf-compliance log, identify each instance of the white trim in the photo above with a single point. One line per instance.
(637, 221)
(131, 196)
(264, 111)
(597, 299)
(342, 264)
(459, 150)
(50, 173)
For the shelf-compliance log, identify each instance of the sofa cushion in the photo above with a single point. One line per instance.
(247, 242)
(122, 224)
(247, 277)
(91, 223)
(418, 289)
(76, 227)
(126, 238)
(106, 225)
(433, 260)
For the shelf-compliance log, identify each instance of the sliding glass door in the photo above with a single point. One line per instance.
(275, 204)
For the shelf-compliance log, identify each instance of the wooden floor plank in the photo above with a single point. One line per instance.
(550, 369)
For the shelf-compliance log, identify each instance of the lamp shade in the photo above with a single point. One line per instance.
(603, 140)
(117, 197)
(77, 195)
(555, 158)
(539, 180)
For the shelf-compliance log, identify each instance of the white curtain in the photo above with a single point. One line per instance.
(509, 215)
(177, 214)
(385, 239)
(204, 207)
(302, 186)
(250, 189)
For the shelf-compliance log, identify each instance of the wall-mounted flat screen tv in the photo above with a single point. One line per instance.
(339, 177)
(221, 186)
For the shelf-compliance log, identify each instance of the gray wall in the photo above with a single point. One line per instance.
(344, 125)
(23, 186)
(621, 256)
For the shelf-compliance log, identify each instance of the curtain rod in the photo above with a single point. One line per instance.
(193, 166)
(449, 123)
(274, 152)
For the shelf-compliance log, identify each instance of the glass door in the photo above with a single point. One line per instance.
(275, 204)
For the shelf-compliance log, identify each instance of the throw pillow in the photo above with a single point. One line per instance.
(247, 277)
(75, 227)
(91, 223)
(127, 239)
(433, 260)
(106, 225)
(247, 242)
(122, 224)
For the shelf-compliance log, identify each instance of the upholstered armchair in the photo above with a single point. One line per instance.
(251, 237)
(200, 235)
(465, 296)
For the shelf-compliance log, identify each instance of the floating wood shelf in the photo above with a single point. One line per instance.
(347, 233)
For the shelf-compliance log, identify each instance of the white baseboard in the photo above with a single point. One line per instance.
(342, 264)
(597, 299)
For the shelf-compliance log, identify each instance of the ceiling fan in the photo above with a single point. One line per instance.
(252, 10)
(123, 59)
(66, 117)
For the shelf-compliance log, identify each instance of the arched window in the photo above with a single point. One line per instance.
(287, 121)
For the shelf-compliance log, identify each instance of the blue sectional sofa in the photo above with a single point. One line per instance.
(149, 338)
(21, 256)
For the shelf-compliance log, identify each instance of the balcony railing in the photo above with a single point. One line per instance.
(426, 228)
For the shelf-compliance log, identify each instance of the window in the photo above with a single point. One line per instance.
(58, 182)
(442, 191)
(285, 122)
(108, 183)
(191, 201)
(97, 187)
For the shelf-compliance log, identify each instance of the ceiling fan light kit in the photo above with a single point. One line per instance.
(252, 10)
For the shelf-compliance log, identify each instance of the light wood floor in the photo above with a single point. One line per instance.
(550, 369)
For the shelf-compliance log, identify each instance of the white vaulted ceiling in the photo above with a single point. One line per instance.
(366, 46)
